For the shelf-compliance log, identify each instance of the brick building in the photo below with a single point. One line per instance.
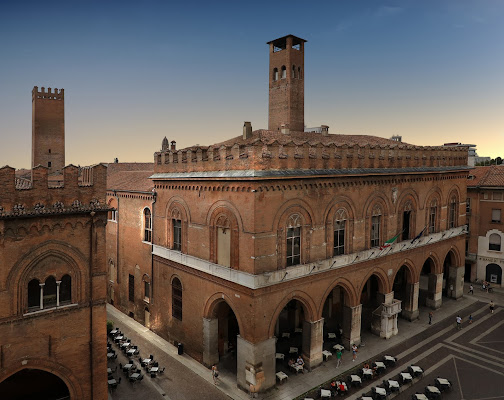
(282, 232)
(485, 204)
(53, 271)
(129, 243)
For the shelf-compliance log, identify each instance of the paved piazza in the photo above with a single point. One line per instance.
(472, 358)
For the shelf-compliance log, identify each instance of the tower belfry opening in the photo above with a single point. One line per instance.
(286, 84)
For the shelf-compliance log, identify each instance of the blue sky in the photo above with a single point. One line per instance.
(134, 72)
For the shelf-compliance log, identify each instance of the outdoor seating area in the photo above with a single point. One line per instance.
(392, 386)
(131, 369)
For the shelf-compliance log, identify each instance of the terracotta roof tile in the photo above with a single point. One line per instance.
(299, 138)
(492, 175)
(130, 177)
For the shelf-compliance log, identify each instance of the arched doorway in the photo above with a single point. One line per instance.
(333, 314)
(30, 384)
(370, 302)
(494, 274)
(400, 284)
(448, 275)
(222, 332)
(424, 288)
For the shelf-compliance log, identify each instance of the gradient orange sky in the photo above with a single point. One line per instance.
(134, 72)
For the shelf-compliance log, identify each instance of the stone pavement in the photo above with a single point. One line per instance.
(297, 385)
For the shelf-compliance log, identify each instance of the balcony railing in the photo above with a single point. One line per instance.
(300, 271)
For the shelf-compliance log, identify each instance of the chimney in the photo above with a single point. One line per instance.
(247, 130)
(173, 145)
(324, 130)
(285, 129)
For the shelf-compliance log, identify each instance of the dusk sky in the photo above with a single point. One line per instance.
(134, 72)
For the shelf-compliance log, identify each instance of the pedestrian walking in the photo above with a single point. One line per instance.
(471, 289)
(492, 306)
(459, 322)
(470, 319)
(339, 354)
(354, 352)
(431, 314)
(215, 374)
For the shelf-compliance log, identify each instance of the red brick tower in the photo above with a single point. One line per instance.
(286, 84)
(48, 128)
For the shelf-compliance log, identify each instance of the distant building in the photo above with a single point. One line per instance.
(485, 240)
(53, 270)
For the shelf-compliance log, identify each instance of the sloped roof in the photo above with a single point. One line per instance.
(130, 177)
(267, 137)
(492, 175)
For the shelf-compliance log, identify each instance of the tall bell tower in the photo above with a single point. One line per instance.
(48, 128)
(286, 84)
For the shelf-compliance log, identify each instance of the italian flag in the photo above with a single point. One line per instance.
(389, 242)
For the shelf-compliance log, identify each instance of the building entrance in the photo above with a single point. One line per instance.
(30, 384)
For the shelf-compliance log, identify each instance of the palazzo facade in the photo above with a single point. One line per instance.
(281, 230)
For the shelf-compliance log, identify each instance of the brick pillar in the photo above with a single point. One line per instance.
(410, 304)
(313, 339)
(210, 341)
(352, 325)
(435, 291)
(255, 364)
(456, 280)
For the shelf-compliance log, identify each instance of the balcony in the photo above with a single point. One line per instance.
(300, 271)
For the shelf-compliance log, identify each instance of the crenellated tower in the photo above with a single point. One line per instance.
(48, 128)
(286, 84)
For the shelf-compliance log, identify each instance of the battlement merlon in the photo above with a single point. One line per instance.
(41, 195)
(58, 94)
(275, 156)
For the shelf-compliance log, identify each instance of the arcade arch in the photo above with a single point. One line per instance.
(34, 383)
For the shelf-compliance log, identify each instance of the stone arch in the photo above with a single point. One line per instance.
(23, 271)
(383, 281)
(456, 256)
(214, 300)
(454, 189)
(224, 204)
(309, 307)
(405, 195)
(179, 201)
(57, 369)
(348, 288)
(436, 261)
(412, 276)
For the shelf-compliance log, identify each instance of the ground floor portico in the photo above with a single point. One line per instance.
(249, 329)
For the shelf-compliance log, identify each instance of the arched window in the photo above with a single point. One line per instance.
(223, 241)
(376, 226)
(275, 74)
(176, 230)
(49, 298)
(112, 271)
(340, 221)
(452, 212)
(299, 72)
(433, 212)
(284, 72)
(34, 294)
(407, 220)
(293, 244)
(147, 225)
(293, 71)
(65, 294)
(494, 242)
(177, 299)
